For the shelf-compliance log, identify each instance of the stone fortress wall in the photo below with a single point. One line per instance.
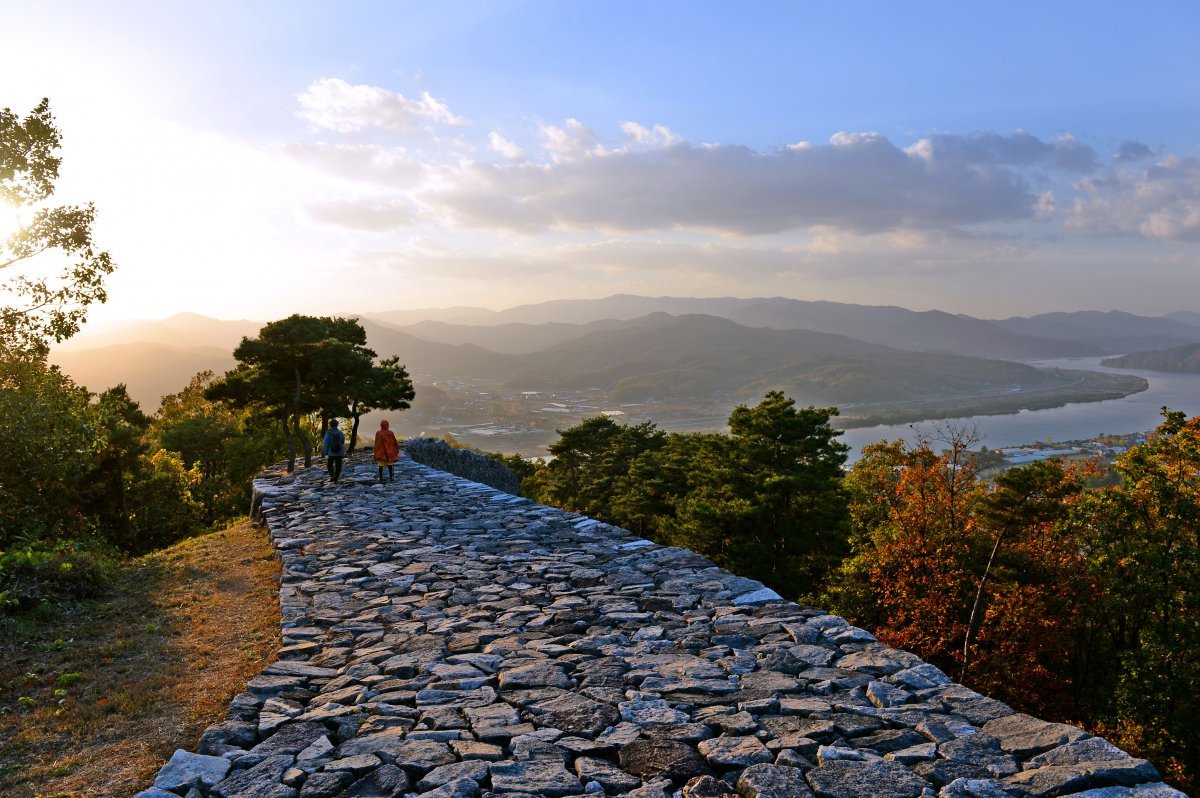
(445, 639)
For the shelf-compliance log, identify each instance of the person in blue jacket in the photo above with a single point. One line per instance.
(334, 449)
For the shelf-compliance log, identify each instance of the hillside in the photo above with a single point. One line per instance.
(149, 370)
(1179, 358)
(1110, 332)
(927, 331)
(668, 357)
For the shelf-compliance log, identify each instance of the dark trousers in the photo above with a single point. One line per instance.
(334, 464)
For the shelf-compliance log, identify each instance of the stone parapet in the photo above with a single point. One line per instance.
(465, 463)
(445, 639)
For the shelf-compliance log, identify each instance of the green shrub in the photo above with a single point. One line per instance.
(41, 571)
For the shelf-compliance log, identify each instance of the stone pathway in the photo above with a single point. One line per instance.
(446, 640)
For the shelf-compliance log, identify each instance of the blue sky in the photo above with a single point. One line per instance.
(253, 159)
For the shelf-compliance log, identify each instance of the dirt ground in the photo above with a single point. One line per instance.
(94, 698)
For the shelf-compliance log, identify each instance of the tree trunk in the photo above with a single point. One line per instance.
(355, 415)
(973, 623)
(304, 439)
(291, 442)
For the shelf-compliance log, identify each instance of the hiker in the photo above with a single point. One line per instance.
(387, 451)
(334, 449)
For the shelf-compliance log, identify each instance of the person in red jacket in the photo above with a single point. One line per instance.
(387, 451)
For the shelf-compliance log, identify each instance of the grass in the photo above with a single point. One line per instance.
(96, 695)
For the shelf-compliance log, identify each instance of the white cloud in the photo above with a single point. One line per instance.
(367, 163)
(860, 182)
(657, 136)
(505, 147)
(1161, 201)
(368, 215)
(334, 104)
(572, 141)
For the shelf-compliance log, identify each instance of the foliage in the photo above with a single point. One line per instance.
(47, 302)
(765, 501)
(33, 573)
(49, 439)
(310, 365)
(1069, 598)
(222, 446)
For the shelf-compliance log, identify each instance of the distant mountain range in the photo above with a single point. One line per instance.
(655, 348)
(1178, 358)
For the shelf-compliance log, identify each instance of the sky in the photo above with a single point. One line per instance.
(255, 159)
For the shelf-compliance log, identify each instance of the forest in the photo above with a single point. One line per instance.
(1048, 588)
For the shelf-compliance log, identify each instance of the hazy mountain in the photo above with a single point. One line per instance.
(149, 370)
(461, 314)
(663, 356)
(1179, 358)
(182, 329)
(1112, 332)
(512, 338)
(1185, 317)
(928, 331)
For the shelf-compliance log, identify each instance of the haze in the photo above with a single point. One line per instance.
(254, 160)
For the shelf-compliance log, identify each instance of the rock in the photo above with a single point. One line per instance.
(291, 738)
(386, 781)
(878, 779)
(1064, 779)
(462, 788)
(1093, 749)
(606, 774)
(734, 752)
(1023, 735)
(539, 777)
(651, 713)
(191, 770)
(666, 758)
(237, 733)
(418, 757)
(155, 792)
(707, 787)
(264, 780)
(982, 750)
(974, 788)
(444, 774)
(326, 784)
(772, 781)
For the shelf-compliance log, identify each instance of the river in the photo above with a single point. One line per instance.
(1135, 413)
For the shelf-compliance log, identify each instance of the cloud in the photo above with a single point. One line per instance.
(368, 163)
(369, 215)
(1133, 151)
(860, 182)
(1161, 201)
(334, 104)
(1017, 149)
(505, 147)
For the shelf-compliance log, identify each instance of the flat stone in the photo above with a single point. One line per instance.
(1064, 779)
(734, 752)
(666, 758)
(1023, 735)
(189, 770)
(421, 756)
(772, 781)
(264, 780)
(326, 784)
(386, 781)
(877, 779)
(651, 713)
(609, 776)
(291, 738)
(540, 777)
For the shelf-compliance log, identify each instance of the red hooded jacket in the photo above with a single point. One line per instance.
(387, 450)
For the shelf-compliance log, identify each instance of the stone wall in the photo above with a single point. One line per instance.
(464, 463)
(445, 639)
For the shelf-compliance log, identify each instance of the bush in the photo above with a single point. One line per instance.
(43, 571)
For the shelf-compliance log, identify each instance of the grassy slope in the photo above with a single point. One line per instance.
(158, 659)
